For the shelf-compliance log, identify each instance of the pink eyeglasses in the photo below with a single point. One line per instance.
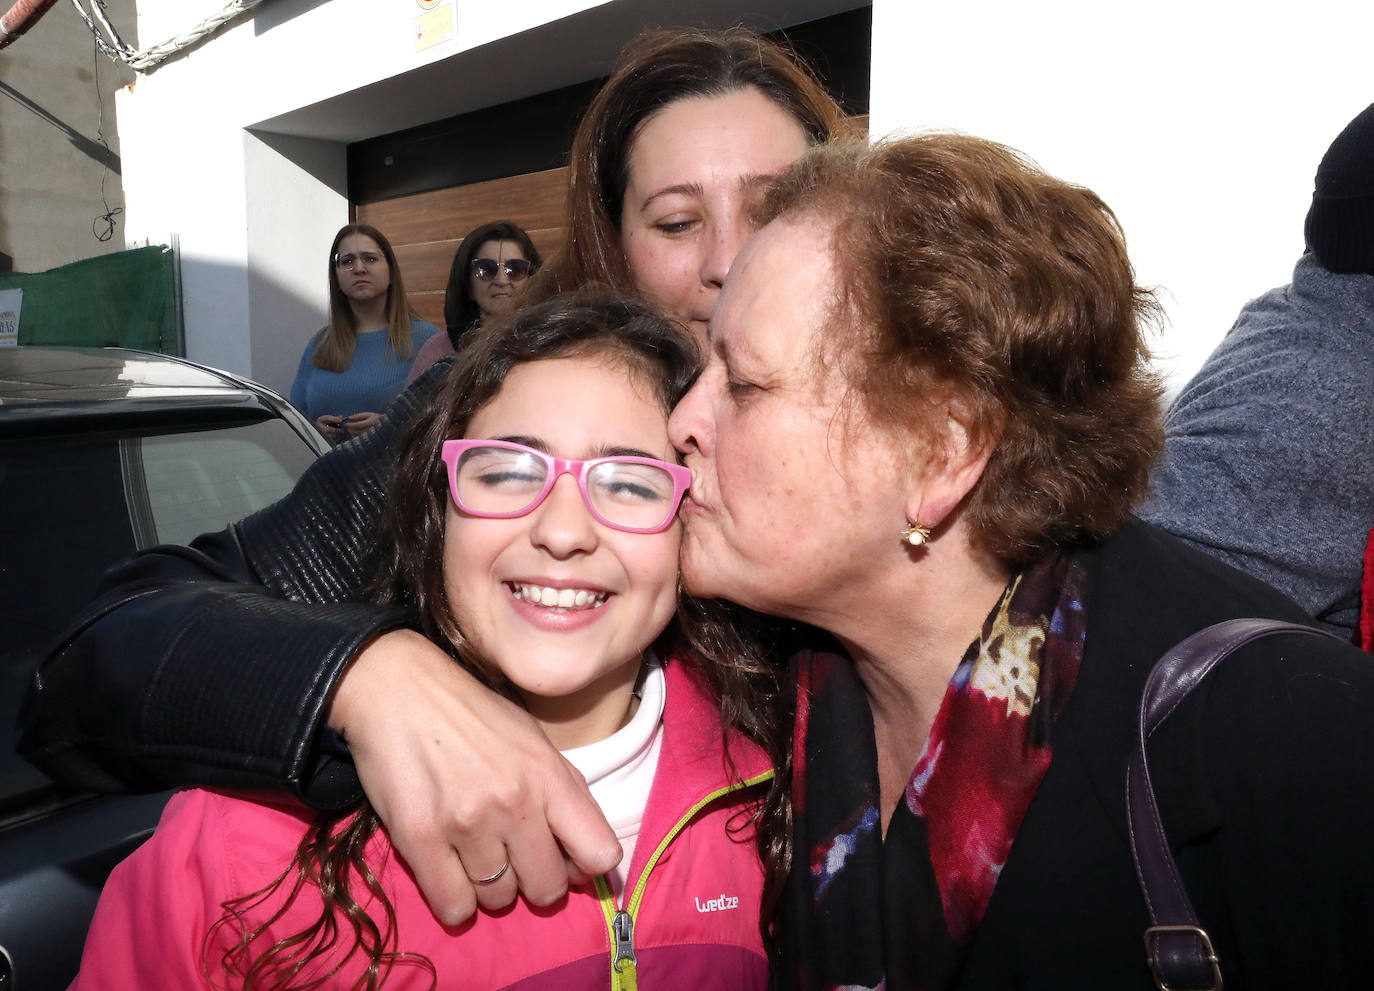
(496, 479)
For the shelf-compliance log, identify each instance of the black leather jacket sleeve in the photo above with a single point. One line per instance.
(214, 664)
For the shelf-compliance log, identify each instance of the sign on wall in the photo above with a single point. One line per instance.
(434, 26)
(11, 301)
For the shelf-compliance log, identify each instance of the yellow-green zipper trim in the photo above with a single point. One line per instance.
(623, 976)
(620, 922)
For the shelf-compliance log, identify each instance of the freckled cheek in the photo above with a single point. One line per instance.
(640, 256)
(745, 484)
(767, 489)
(666, 276)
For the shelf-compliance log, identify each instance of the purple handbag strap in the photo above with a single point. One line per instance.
(1179, 951)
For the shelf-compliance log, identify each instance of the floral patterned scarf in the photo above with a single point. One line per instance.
(862, 913)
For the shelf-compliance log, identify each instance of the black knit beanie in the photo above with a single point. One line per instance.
(1340, 222)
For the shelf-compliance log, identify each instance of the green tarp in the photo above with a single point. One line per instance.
(125, 299)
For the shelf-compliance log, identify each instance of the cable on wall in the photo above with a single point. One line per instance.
(149, 58)
(103, 226)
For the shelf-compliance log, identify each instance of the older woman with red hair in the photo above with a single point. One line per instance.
(927, 415)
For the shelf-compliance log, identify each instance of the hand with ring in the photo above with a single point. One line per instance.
(461, 775)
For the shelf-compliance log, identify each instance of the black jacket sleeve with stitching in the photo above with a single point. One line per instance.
(213, 664)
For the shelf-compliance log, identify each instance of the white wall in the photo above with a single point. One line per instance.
(1200, 124)
(183, 175)
(296, 192)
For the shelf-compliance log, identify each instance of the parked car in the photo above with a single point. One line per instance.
(103, 452)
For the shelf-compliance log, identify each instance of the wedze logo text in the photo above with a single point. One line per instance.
(721, 904)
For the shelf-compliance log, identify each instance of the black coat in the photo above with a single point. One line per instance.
(1264, 777)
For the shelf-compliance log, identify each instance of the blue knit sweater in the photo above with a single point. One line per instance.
(368, 385)
(1268, 450)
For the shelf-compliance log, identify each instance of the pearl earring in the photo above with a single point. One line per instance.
(915, 534)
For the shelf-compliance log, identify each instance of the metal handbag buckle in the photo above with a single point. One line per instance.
(1209, 954)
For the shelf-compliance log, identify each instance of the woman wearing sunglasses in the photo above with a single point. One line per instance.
(262, 622)
(488, 273)
(356, 363)
(540, 552)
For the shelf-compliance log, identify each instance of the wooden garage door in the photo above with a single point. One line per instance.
(426, 228)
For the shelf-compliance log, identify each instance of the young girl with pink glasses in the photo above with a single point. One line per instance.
(532, 531)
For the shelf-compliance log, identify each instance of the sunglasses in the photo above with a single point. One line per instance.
(515, 268)
(496, 479)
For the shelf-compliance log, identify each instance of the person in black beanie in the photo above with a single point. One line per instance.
(1340, 222)
(1269, 447)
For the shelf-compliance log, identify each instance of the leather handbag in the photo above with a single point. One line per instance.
(1178, 949)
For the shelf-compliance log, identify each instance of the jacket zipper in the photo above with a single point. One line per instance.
(620, 923)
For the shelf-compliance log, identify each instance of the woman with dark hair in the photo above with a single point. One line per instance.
(302, 686)
(357, 362)
(927, 416)
(562, 594)
(488, 272)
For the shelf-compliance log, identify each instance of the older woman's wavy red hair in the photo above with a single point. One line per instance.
(967, 275)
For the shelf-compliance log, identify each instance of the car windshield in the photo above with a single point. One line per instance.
(71, 507)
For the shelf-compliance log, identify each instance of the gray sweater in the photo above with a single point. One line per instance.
(1269, 456)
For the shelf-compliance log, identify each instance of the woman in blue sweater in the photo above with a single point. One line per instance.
(357, 363)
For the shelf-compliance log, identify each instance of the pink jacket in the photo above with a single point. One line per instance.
(691, 918)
